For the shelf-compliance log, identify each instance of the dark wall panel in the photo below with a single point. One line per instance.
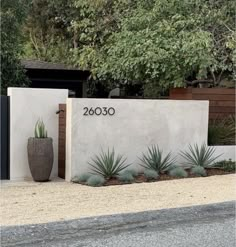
(4, 171)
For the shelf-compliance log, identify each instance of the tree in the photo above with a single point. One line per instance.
(156, 44)
(165, 43)
(47, 30)
(12, 17)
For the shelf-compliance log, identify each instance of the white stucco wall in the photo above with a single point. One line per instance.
(225, 152)
(27, 105)
(172, 124)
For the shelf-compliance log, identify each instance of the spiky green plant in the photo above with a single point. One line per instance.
(155, 160)
(226, 165)
(40, 130)
(199, 171)
(81, 178)
(126, 177)
(222, 131)
(150, 174)
(107, 165)
(95, 181)
(203, 156)
(178, 172)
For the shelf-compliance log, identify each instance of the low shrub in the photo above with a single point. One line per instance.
(199, 171)
(95, 181)
(226, 165)
(178, 172)
(133, 172)
(75, 179)
(126, 177)
(150, 174)
(81, 178)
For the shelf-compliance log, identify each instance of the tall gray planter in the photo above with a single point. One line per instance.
(40, 157)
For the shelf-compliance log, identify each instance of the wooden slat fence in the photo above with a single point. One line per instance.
(221, 100)
(62, 141)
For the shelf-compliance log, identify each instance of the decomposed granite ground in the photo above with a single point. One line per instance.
(28, 202)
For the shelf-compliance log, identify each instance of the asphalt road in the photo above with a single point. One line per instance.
(210, 225)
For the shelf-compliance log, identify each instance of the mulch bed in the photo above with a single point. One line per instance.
(163, 177)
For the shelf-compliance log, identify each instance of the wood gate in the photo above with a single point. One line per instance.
(62, 141)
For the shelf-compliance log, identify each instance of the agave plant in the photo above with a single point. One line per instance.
(222, 131)
(155, 160)
(203, 156)
(40, 130)
(107, 165)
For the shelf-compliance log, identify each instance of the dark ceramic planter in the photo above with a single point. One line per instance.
(40, 157)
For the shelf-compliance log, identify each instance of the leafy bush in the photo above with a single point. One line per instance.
(107, 165)
(126, 177)
(155, 160)
(133, 172)
(95, 181)
(226, 165)
(178, 172)
(199, 171)
(81, 178)
(222, 131)
(150, 174)
(40, 130)
(202, 156)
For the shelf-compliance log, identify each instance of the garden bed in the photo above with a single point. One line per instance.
(163, 177)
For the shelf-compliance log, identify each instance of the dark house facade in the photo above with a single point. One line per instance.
(54, 75)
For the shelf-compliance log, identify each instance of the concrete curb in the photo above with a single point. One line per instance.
(92, 226)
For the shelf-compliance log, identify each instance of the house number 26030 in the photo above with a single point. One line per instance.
(99, 111)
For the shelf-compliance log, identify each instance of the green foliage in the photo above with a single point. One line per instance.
(226, 165)
(47, 32)
(199, 171)
(81, 178)
(155, 160)
(158, 43)
(203, 156)
(95, 181)
(178, 172)
(163, 43)
(40, 130)
(222, 131)
(12, 17)
(133, 172)
(150, 174)
(126, 177)
(107, 165)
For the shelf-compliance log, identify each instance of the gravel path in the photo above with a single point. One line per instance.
(32, 203)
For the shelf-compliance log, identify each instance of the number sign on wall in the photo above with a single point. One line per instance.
(105, 111)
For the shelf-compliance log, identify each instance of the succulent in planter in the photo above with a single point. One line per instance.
(40, 130)
(40, 153)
